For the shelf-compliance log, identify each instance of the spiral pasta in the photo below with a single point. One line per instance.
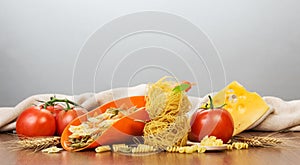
(211, 141)
(239, 145)
(140, 148)
(187, 149)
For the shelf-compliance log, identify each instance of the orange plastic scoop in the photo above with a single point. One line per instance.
(122, 131)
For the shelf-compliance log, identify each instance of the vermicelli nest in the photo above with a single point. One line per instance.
(163, 134)
(167, 110)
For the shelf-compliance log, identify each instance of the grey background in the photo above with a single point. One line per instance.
(258, 42)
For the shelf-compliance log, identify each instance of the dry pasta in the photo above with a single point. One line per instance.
(140, 148)
(211, 141)
(116, 147)
(143, 148)
(167, 110)
(88, 131)
(239, 145)
(162, 135)
(187, 149)
(229, 147)
(103, 148)
(52, 149)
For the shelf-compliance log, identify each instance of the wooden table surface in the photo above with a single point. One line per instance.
(287, 154)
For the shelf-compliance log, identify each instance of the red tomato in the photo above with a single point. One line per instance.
(188, 83)
(64, 117)
(212, 122)
(54, 109)
(36, 122)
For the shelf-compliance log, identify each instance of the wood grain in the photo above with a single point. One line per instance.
(289, 154)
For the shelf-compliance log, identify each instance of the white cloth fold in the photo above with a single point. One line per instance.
(282, 114)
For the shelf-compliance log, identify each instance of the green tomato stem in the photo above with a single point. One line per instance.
(68, 105)
(56, 100)
(211, 102)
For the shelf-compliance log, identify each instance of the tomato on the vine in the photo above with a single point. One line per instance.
(54, 109)
(36, 122)
(211, 122)
(48, 118)
(64, 117)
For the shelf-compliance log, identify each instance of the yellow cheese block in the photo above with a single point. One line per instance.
(245, 107)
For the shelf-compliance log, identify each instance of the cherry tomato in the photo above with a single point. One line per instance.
(64, 117)
(36, 122)
(188, 83)
(211, 122)
(183, 86)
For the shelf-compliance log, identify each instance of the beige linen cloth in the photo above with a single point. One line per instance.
(282, 115)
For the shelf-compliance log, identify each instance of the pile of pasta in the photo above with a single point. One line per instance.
(167, 108)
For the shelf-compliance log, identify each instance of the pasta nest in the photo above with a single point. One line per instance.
(167, 110)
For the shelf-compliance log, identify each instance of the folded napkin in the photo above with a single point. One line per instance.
(282, 115)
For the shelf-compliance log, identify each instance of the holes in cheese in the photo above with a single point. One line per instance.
(245, 107)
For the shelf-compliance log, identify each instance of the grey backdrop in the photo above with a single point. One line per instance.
(258, 41)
